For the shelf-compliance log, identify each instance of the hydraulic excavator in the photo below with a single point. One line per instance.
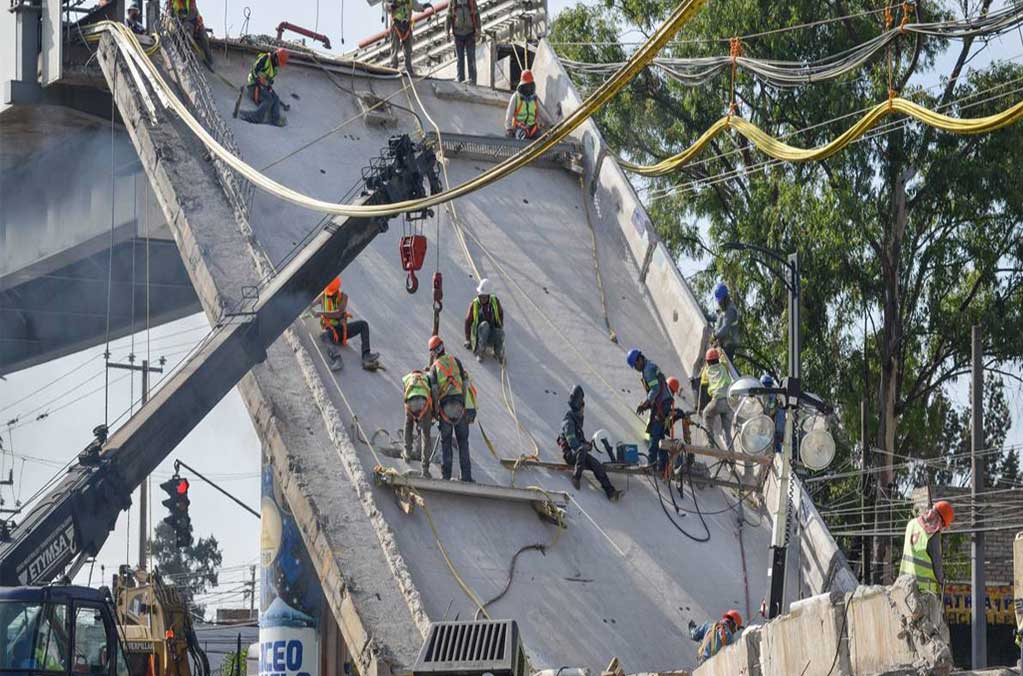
(49, 626)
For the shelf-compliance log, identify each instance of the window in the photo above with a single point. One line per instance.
(33, 636)
(90, 642)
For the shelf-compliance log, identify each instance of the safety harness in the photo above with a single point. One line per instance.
(495, 311)
(525, 114)
(331, 304)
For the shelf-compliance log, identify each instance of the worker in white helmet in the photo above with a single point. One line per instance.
(484, 323)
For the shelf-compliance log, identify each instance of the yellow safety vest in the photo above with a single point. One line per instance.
(718, 380)
(915, 559)
(525, 111)
(264, 66)
(402, 10)
(180, 6)
(448, 377)
(331, 304)
(416, 385)
(470, 396)
(476, 315)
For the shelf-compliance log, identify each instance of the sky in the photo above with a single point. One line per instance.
(224, 446)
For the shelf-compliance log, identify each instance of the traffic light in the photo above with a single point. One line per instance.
(177, 504)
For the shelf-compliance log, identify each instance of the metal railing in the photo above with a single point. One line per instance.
(180, 49)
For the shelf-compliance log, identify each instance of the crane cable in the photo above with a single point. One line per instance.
(130, 48)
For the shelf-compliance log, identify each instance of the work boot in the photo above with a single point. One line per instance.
(576, 483)
(336, 363)
(426, 472)
(470, 480)
(371, 361)
(614, 495)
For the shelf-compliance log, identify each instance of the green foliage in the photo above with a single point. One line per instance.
(193, 568)
(231, 661)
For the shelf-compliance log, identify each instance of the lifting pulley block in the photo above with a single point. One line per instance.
(413, 252)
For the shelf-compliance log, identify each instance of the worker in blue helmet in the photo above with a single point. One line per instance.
(658, 401)
(726, 324)
(774, 411)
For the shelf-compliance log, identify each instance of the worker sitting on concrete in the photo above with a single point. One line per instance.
(188, 14)
(921, 550)
(726, 324)
(525, 117)
(401, 29)
(484, 323)
(338, 330)
(464, 21)
(134, 20)
(261, 91)
(448, 380)
(713, 636)
(576, 449)
(418, 396)
(658, 401)
(717, 415)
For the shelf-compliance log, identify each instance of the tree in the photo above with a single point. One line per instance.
(234, 660)
(194, 569)
(906, 239)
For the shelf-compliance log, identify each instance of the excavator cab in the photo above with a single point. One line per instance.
(59, 630)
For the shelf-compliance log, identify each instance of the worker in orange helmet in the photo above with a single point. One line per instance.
(717, 414)
(449, 384)
(921, 549)
(261, 91)
(525, 117)
(713, 636)
(338, 328)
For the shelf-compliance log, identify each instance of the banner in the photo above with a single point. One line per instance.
(959, 604)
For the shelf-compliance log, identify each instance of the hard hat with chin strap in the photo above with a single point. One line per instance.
(526, 77)
(944, 509)
(632, 357)
(674, 384)
(334, 287)
(734, 616)
(483, 289)
(435, 344)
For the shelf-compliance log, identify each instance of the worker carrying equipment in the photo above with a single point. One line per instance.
(187, 13)
(448, 384)
(418, 398)
(921, 549)
(402, 23)
(525, 117)
(577, 450)
(484, 323)
(337, 329)
(713, 636)
(726, 323)
(260, 89)
(717, 414)
(658, 401)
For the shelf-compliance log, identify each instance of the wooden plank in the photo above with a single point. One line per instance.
(679, 446)
(473, 490)
(624, 469)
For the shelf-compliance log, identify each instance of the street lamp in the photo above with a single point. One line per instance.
(792, 399)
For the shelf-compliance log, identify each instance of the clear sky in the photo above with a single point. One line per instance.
(224, 445)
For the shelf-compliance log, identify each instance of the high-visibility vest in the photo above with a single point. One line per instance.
(470, 396)
(402, 10)
(179, 6)
(448, 377)
(718, 380)
(494, 309)
(525, 110)
(264, 66)
(331, 304)
(415, 384)
(915, 559)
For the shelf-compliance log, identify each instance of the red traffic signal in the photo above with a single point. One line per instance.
(182, 487)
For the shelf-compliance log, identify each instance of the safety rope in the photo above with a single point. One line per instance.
(611, 335)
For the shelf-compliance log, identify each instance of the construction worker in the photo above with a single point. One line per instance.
(418, 396)
(658, 401)
(188, 14)
(726, 324)
(464, 21)
(261, 91)
(921, 549)
(717, 415)
(576, 449)
(134, 20)
(401, 29)
(713, 636)
(338, 329)
(524, 117)
(484, 323)
(448, 382)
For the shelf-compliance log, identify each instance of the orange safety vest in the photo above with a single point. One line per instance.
(452, 379)
(331, 304)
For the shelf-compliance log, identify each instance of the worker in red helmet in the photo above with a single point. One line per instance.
(713, 636)
(921, 549)
(187, 13)
(525, 116)
(261, 89)
(402, 23)
(717, 414)
(449, 384)
(338, 327)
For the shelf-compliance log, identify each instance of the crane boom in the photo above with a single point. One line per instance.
(75, 518)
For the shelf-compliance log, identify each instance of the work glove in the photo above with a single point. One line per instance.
(642, 407)
(692, 625)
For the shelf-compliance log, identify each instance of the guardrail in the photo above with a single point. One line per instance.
(179, 48)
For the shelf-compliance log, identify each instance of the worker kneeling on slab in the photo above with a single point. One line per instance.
(449, 383)
(260, 89)
(484, 323)
(575, 448)
(337, 329)
(713, 636)
(921, 550)
(525, 118)
(418, 395)
(658, 401)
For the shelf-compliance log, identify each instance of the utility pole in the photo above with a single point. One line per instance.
(866, 545)
(978, 628)
(252, 591)
(146, 369)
